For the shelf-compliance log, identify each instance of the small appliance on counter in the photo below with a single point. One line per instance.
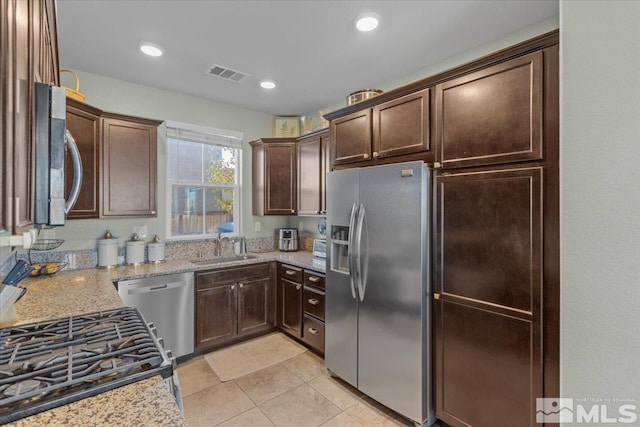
(155, 250)
(135, 250)
(288, 240)
(319, 254)
(107, 251)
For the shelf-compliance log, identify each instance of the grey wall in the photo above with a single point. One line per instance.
(600, 199)
(134, 99)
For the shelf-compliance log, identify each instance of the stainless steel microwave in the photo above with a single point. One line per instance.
(51, 140)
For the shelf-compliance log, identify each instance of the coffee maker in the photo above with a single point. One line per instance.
(288, 239)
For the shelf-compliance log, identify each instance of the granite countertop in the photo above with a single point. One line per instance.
(70, 293)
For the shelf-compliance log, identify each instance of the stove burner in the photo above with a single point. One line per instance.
(47, 364)
(22, 387)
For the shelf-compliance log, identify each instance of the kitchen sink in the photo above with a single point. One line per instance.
(213, 261)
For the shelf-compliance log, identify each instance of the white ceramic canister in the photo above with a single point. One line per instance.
(107, 251)
(155, 250)
(135, 250)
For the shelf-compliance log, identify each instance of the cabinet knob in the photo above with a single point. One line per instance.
(241, 285)
(436, 296)
(375, 154)
(153, 212)
(313, 330)
(437, 165)
(298, 287)
(313, 301)
(365, 156)
(293, 211)
(233, 287)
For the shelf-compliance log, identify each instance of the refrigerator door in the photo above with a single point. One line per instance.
(341, 307)
(393, 312)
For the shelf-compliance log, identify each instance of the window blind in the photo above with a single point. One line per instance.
(203, 134)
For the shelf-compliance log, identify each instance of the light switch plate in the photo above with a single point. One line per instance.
(257, 226)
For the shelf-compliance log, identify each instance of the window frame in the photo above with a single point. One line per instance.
(235, 139)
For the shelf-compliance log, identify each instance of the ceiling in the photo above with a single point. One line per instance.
(309, 48)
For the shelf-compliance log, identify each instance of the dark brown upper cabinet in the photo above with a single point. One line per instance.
(351, 138)
(274, 176)
(313, 165)
(491, 116)
(394, 130)
(129, 159)
(28, 54)
(401, 126)
(83, 121)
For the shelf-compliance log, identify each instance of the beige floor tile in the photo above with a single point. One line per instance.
(342, 420)
(400, 420)
(307, 366)
(342, 395)
(268, 383)
(253, 417)
(216, 404)
(251, 356)
(196, 375)
(369, 416)
(302, 406)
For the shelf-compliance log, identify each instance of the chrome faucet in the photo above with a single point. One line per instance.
(219, 240)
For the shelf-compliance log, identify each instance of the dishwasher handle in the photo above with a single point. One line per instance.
(142, 288)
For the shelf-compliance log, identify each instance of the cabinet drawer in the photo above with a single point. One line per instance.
(313, 333)
(313, 279)
(213, 278)
(291, 273)
(313, 302)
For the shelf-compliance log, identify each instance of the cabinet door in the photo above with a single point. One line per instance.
(254, 306)
(401, 126)
(128, 167)
(292, 307)
(309, 175)
(280, 178)
(488, 321)
(6, 114)
(83, 121)
(216, 315)
(491, 116)
(351, 138)
(325, 168)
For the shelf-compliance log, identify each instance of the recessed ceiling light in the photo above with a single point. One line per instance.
(267, 84)
(368, 22)
(151, 49)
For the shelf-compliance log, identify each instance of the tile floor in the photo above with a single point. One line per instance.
(297, 392)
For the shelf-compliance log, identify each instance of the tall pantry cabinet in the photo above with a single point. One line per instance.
(496, 288)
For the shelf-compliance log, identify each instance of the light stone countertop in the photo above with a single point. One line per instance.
(70, 293)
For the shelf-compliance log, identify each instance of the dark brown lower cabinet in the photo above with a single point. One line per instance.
(291, 307)
(233, 304)
(488, 296)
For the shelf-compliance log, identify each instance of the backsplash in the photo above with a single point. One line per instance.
(176, 249)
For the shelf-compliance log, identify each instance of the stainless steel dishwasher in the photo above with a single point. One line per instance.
(168, 302)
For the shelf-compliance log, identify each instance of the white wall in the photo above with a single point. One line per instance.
(600, 198)
(134, 99)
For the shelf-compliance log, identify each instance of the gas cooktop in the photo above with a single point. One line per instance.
(48, 364)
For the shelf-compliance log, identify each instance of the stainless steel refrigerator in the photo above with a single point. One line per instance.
(378, 284)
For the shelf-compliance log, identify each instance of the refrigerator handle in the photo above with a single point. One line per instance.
(350, 248)
(358, 255)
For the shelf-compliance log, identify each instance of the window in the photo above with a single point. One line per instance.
(203, 181)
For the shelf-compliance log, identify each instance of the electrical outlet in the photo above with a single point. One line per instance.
(300, 226)
(257, 226)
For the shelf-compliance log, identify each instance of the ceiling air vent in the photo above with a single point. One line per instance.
(227, 73)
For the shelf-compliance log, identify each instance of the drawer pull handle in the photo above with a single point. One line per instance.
(241, 285)
(290, 273)
(233, 287)
(298, 287)
(313, 331)
(314, 279)
(313, 301)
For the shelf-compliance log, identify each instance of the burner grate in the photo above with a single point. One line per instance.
(48, 364)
